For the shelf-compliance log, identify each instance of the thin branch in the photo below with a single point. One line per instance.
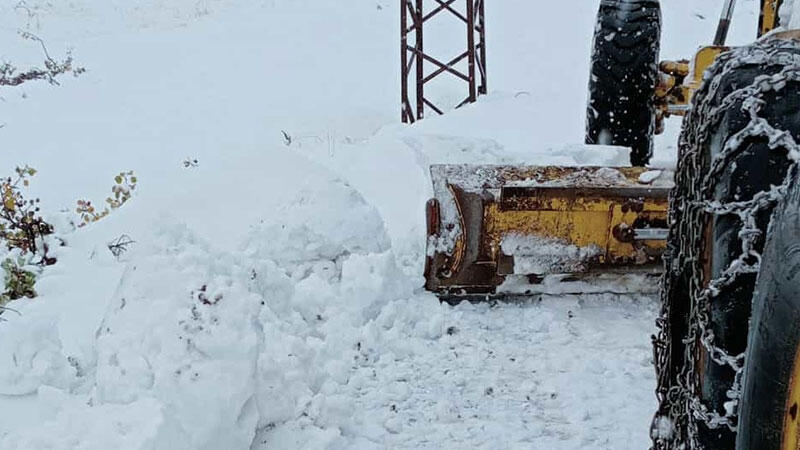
(9, 76)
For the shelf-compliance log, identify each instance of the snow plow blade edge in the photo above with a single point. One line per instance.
(498, 231)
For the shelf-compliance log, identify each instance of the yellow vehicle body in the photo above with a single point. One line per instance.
(679, 80)
(598, 226)
(791, 422)
(487, 224)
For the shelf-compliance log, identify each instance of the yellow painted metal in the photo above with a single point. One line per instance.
(675, 68)
(769, 17)
(579, 220)
(791, 424)
(703, 59)
(679, 81)
(665, 84)
(612, 219)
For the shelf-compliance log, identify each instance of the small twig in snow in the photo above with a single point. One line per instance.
(6, 308)
(120, 245)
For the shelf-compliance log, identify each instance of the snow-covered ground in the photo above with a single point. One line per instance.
(272, 296)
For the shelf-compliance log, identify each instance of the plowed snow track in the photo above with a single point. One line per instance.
(560, 373)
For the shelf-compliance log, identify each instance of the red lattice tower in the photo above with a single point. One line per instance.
(412, 25)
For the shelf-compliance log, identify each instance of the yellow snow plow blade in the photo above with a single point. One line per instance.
(497, 231)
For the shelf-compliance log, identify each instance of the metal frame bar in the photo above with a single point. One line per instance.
(413, 57)
(768, 19)
(724, 22)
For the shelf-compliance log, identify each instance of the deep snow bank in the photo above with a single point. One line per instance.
(201, 346)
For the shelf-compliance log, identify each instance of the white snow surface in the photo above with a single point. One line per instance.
(533, 255)
(790, 15)
(272, 297)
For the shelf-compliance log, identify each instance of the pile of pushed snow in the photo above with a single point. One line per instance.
(182, 345)
(256, 278)
(546, 255)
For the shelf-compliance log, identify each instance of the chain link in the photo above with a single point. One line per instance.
(692, 207)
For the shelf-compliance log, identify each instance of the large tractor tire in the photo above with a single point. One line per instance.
(623, 76)
(734, 149)
(769, 417)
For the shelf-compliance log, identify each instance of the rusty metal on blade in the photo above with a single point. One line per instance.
(490, 224)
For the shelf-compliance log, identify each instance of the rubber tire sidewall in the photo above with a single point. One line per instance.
(774, 332)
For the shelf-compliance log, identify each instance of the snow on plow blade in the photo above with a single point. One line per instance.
(496, 231)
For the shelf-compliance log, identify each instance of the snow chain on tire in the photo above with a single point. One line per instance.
(685, 325)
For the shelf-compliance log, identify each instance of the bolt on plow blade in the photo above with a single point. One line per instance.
(507, 231)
